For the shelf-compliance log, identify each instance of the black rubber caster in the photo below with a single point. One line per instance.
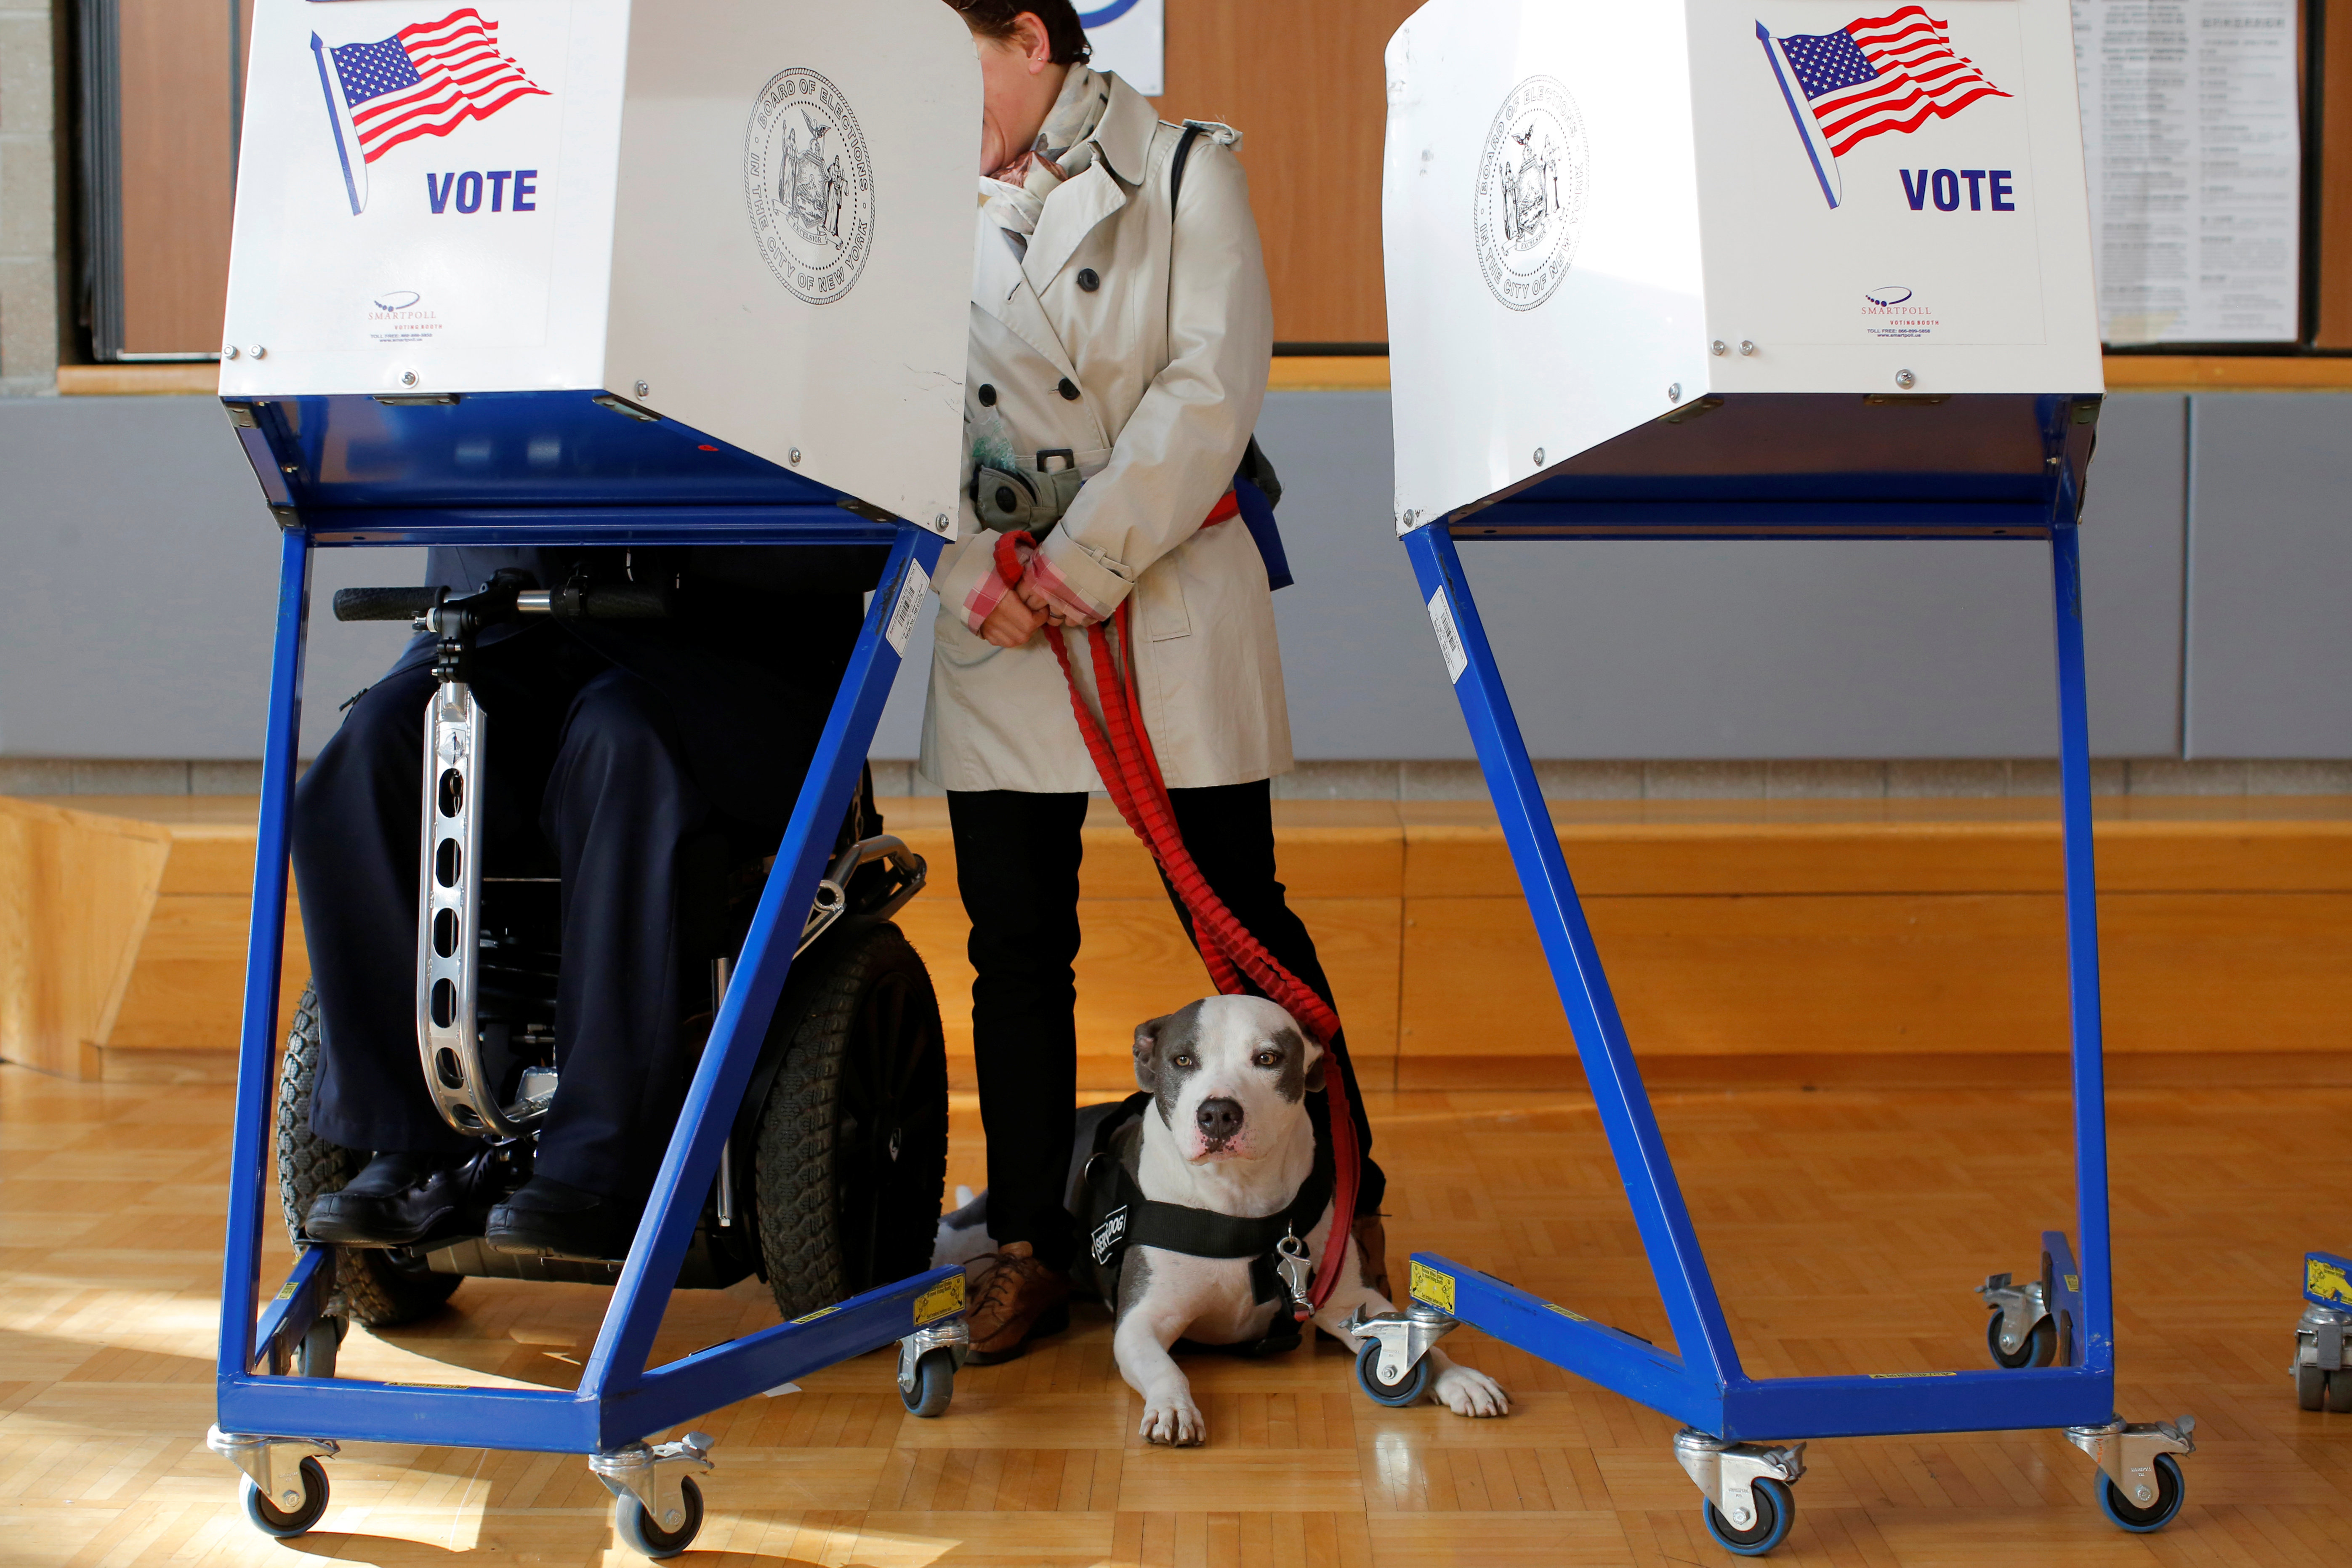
(1775, 1510)
(315, 1356)
(641, 1534)
(1406, 1390)
(2040, 1349)
(2170, 1492)
(934, 1385)
(2311, 1388)
(286, 1523)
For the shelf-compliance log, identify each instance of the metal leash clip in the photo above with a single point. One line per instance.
(1297, 1271)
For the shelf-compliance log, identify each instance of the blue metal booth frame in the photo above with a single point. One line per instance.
(546, 469)
(2020, 477)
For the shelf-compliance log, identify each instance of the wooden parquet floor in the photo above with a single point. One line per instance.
(1846, 1229)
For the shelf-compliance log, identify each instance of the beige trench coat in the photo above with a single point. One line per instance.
(1168, 355)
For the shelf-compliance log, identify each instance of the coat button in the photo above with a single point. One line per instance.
(1068, 389)
(1089, 279)
(987, 396)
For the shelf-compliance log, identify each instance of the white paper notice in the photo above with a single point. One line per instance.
(2194, 155)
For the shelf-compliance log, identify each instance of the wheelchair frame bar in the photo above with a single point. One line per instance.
(1704, 1384)
(618, 1399)
(811, 524)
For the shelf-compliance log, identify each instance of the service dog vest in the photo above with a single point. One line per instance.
(1114, 1215)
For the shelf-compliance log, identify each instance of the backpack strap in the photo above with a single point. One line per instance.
(1216, 131)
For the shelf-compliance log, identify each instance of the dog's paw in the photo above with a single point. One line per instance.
(1466, 1391)
(1173, 1421)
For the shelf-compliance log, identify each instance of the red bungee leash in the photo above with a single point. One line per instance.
(1121, 749)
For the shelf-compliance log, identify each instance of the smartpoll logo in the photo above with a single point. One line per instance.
(425, 81)
(1874, 76)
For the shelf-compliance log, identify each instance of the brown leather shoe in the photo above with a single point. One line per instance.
(1372, 1253)
(1018, 1299)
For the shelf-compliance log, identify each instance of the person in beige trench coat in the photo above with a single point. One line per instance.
(1127, 336)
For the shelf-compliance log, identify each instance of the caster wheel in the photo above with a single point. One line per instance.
(2310, 1390)
(284, 1523)
(1405, 1391)
(1775, 1510)
(2128, 1515)
(934, 1385)
(315, 1356)
(2339, 1391)
(2040, 1349)
(641, 1534)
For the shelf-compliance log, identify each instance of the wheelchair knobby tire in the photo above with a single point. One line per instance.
(851, 1156)
(369, 1285)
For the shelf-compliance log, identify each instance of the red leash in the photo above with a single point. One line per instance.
(1121, 749)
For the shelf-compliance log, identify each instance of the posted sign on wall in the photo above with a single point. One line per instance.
(1130, 37)
(2193, 148)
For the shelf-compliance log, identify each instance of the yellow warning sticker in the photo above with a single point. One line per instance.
(2074, 1281)
(1571, 1317)
(820, 1313)
(1894, 1376)
(285, 1292)
(2322, 1278)
(941, 1300)
(1430, 1285)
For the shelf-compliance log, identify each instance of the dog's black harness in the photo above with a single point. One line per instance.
(1115, 1216)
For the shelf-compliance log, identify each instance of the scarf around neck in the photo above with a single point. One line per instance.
(1012, 196)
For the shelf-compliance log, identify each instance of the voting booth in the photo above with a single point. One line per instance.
(1787, 270)
(575, 273)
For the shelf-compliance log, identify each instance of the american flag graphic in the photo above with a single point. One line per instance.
(1874, 75)
(426, 81)
(1878, 74)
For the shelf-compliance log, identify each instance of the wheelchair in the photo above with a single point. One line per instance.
(831, 1179)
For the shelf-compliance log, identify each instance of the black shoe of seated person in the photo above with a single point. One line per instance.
(546, 1218)
(400, 1196)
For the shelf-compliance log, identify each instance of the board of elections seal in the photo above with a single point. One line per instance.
(1529, 207)
(810, 185)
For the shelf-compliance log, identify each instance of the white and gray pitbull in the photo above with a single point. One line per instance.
(1225, 1130)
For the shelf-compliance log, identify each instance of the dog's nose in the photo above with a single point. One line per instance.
(1219, 1118)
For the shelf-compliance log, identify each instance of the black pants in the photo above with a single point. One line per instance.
(1017, 867)
(583, 768)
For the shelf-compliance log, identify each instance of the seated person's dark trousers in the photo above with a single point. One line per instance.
(1017, 867)
(586, 779)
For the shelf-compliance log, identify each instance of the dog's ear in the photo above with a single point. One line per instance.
(1316, 1056)
(1147, 1052)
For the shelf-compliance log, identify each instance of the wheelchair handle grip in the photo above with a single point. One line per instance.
(613, 602)
(384, 603)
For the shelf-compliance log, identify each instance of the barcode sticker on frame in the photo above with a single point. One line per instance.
(1449, 636)
(912, 589)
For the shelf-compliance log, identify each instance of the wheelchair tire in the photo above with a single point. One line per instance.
(370, 1286)
(852, 1152)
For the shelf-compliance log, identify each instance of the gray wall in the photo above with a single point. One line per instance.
(134, 618)
(141, 582)
(2270, 573)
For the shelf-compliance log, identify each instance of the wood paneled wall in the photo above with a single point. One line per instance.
(2335, 155)
(1302, 82)
(176, 87)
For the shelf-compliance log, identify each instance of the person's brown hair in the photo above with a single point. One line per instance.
(995, 19)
